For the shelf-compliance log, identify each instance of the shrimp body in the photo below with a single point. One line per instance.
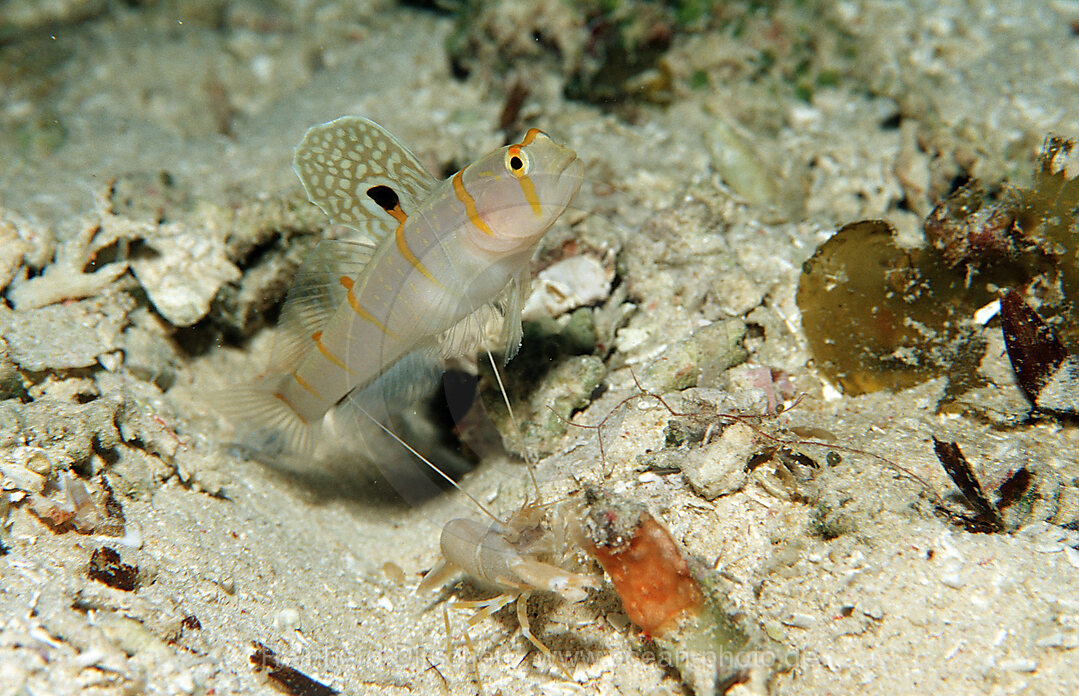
(486, 552)
(509, 557)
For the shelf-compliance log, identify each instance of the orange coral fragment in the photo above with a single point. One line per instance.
(652, 578)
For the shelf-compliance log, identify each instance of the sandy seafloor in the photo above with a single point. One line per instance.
(189, 113)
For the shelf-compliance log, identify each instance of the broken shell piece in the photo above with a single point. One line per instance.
(74, 506)
(106, 567)
(571, 283)
(986, 517)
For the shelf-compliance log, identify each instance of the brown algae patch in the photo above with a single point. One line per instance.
(879, 316)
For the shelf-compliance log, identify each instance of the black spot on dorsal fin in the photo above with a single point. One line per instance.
(384, 196)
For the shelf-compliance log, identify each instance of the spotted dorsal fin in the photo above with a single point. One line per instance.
(360, 175)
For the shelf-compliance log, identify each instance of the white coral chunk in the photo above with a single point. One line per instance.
(185, 275)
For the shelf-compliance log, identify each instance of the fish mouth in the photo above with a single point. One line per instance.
(566, 159)
(572, 160)
(570, 168)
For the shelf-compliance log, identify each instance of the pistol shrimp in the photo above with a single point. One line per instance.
(517, 557)
(510, 557)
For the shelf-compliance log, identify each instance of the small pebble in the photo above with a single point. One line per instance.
(803, 621)
(775, 631)
(1020, 665)
(394, 572)
(618, 621)
(1055, 640)
(951, 580)
(287, 620)
(719, 467)
(34, 458)
(111, 361)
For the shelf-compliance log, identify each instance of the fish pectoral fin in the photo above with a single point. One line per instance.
(468, 335)
(471, 333)
(316, 293)
(354, 170)
(512, 302)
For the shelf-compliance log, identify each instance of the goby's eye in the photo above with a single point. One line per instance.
(517, 161)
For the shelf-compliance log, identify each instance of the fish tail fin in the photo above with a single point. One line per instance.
(265, 422)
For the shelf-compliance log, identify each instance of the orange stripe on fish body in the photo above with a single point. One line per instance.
(358, 308)
(518, 164)
(325, 352)
(304, 383)
(402, 243)
(470, 204)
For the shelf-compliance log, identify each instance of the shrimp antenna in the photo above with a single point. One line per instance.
(431, 465)
(516, 426)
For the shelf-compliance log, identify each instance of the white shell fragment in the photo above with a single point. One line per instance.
(984, 314)
(24, 469)
(571, 283)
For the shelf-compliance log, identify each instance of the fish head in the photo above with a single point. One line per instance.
(518, 192)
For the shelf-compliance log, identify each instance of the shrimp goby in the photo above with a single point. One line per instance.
(368, 320)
